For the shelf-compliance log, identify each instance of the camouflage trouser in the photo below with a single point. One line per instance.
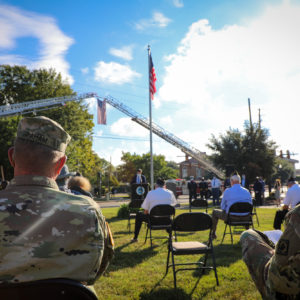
(256, 255)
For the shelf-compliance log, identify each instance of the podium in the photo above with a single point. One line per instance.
(139, 191)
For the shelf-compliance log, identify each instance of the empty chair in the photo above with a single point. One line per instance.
(234, 220)
(191, 222)
(49, 289)
(160, 218)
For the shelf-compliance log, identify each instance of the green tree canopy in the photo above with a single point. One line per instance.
(132, 162)
(19, 84)
(249, 152)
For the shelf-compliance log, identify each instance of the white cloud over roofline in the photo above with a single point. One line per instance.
(53, 43)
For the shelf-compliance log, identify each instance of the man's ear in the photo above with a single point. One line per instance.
(10, 154)
(59, 165)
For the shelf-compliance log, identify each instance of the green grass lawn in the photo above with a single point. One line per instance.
(138, 272)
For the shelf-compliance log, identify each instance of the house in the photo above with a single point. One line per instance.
(191, 167)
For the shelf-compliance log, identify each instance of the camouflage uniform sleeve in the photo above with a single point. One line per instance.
(108, 251)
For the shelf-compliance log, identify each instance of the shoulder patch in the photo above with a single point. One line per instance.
(283, 247)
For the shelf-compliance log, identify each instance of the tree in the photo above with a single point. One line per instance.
(19, 84)
(249, 152)
(132, 162)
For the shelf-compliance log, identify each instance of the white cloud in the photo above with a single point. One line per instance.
(178, 3)
(84, 70)
(126, 127)
(124, 52)
(213, 73)
(158, 20)
(53, 43)
(113, 72)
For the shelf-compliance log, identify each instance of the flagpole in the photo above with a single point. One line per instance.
(150, 123)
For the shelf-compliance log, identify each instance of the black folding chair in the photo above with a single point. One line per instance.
(191, 222)
(199, 203)
(160, 218)
(234, 220)
(49, 289)
(133, 205)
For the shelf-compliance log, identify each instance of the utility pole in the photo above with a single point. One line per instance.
(250, 118)
(259, 118)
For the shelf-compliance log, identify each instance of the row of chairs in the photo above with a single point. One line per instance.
(192, 222)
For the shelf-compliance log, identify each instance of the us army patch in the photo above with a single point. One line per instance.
(283, 247)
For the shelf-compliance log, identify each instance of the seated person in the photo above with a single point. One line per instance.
(80, 185)
(275, 271)
(292, 198)
(46, 233)
(236, 193)
(160, 195)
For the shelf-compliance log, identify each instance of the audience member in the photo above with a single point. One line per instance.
(80, 185)
(292, 198)
(192, 187)
(236, 193)
(275, 270)
(203, 187)
(215, 190)
(63, 178)
(257, 187)
(46, 233)
(277, 187)
(160, 195)
(244, 182)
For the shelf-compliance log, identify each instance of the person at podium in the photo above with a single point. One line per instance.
(138, 177)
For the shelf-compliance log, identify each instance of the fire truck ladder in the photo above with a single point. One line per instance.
(164, 134)
(34, 106)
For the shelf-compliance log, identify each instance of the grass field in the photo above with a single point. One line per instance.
(138, 272)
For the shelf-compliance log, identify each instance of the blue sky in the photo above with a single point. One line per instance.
(209, 57)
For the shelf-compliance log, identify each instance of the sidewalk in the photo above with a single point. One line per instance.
(183, 200)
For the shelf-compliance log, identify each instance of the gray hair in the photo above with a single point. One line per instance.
(235, 178)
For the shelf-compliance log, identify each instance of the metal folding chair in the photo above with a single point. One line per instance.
(160, 218)
(234, 220)
(191, 222)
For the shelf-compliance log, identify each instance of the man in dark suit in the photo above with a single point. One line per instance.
(139, 177)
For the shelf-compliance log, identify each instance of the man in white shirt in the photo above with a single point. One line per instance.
(160, 195)
(215, 190)
(292, 198)
(236, 193)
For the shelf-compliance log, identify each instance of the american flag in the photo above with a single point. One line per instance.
(101, 111)
(152, 79)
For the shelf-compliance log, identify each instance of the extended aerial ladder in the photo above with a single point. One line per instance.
(164, 134)
(37, 105)
(34, 106)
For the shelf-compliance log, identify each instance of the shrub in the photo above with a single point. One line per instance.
(123, 212)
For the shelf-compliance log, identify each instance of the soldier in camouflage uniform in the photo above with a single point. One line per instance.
(275, 270)
(44, 232)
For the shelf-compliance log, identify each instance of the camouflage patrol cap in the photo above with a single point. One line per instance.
(45, 131)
